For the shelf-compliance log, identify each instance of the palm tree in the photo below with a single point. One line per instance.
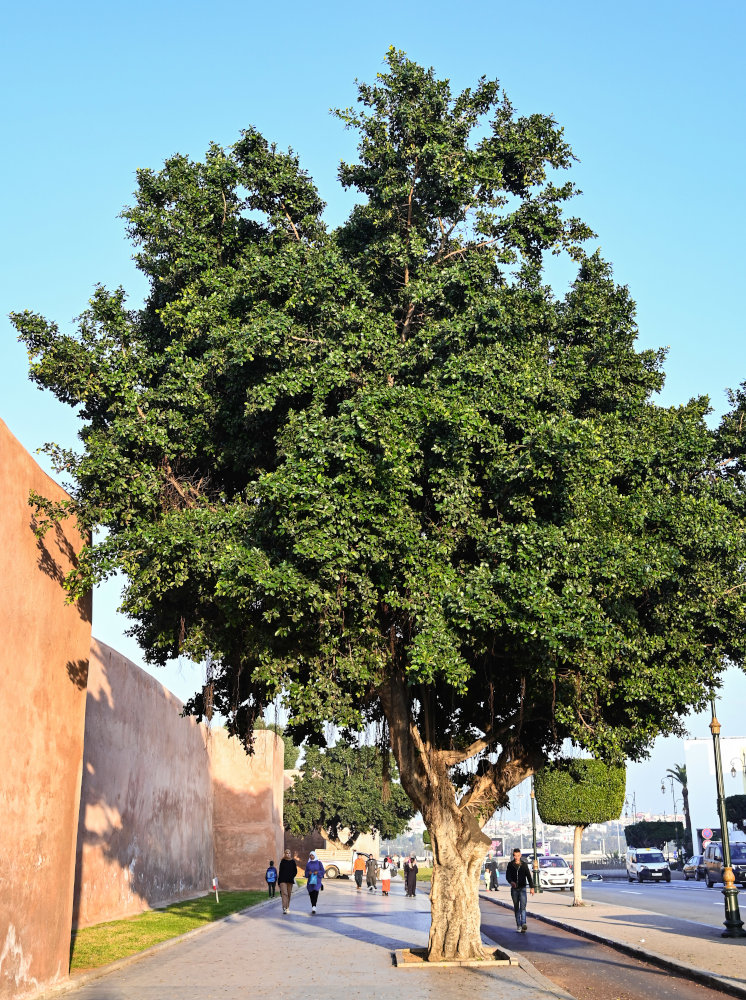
(678, 773)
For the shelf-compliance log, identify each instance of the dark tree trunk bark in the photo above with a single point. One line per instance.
(459, 848)
(458, 843)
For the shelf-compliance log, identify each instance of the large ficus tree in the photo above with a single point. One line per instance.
(384, 474)
(344, 792)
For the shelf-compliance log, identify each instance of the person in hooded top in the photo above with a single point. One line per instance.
(314, 874)
(286, 879)
(410, 876)
(270, 877)
(371, 873)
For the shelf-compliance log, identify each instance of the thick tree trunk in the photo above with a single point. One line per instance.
(577, 874)
(458, 844)
(459, 848)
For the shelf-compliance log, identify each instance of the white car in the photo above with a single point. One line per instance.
(647, 863)
(554, 872)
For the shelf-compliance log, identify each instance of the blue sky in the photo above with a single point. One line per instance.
(651, 96)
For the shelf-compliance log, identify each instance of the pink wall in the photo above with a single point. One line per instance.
(247, 808)
(45, 660)
(165, 804)
(145, 830)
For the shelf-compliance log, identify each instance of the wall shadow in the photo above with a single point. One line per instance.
(77, 671)
(144, 825)
(57, 564)
(247, 820)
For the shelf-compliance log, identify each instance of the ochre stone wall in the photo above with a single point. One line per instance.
(145, 830)
(247, 808)
(165, 803)
(45, 646)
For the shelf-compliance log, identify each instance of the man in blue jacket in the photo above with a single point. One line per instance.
(518, 875)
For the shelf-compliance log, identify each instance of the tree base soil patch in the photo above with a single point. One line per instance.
(416, 958)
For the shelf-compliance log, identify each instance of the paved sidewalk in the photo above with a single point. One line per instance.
(342, 953)
(683, 943)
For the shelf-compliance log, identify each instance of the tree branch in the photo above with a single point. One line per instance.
(513, 767)
(413, 758)
(409, 217)
(292, 225)
(463, 250)
(407, 322)
(454, 757)
(307, 340)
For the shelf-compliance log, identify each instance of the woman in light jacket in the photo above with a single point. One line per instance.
(386, 877)
(314, 873)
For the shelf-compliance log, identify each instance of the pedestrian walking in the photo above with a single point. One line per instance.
(493, 870)
(386, 876)
(371, 873)
(486, 876)
(518, 874)
(270, 877)
(410, 876)
(358, 868)
(314, 873)
(286, 879)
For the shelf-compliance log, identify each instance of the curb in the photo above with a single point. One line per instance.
(84, 978)
(703, 976)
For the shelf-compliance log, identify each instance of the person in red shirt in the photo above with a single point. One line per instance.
(358, 870)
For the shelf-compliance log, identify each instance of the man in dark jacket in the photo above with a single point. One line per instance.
(410, 876)
(371, 873)
(518, 875)
(491, 867)
(286, 879)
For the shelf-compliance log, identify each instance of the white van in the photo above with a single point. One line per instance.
(647, 863)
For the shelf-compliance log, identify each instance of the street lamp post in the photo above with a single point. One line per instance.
(535, 864)
(733, 923)
(739, 764)
(634, 806)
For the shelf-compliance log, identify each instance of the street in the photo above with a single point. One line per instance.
(676, 922)
(685, 900)
(587, 970)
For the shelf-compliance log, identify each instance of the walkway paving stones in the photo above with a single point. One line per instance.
(343, 952)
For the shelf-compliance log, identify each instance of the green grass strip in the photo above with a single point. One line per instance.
(102, 944)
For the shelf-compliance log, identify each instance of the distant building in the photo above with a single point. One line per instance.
(700, 780)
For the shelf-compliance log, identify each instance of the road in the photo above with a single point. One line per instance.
(685, 900)
(587, 970)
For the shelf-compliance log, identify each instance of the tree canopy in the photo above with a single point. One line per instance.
(385, 474)
(654, 833)
(735, 810)
(343, 793)
(578, 792)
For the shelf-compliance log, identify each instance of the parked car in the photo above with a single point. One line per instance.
(554, 871)
(694, 868)
(647, 863)
(714, 862)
